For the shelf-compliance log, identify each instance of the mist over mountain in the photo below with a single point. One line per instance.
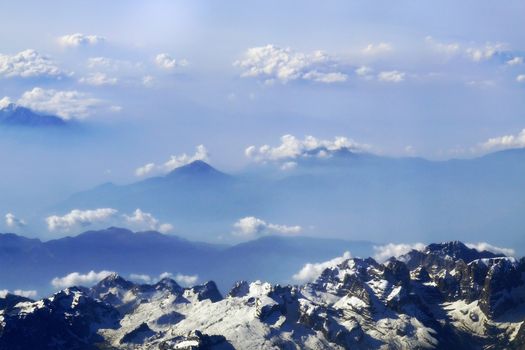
(18, 116)
(348, 195)
(32, 264)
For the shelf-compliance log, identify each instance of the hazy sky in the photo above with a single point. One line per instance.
(147, 80)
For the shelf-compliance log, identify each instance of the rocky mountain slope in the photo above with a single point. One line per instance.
(444, 297)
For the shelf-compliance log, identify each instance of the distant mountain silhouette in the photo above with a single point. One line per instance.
(14, 115)
(31, 263)
(345, 195)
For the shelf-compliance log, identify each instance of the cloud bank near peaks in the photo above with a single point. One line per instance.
(174, 162)
(292, 148)
(252, 227)
(79, 219)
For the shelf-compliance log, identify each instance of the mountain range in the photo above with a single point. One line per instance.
(446, 296)
(347, 195)
(32, 264)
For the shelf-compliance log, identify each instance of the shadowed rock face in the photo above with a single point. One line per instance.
(357, 304)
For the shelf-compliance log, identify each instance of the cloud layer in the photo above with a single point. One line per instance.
(12, 221)
(292, 148)
(79, 279)
(77, 219)
(272, 63)
(28, 64)
(310, 271)
(175, 161)
(79, 39)
(481, 246)
(384, 252)
(250, 226)
(67, 104)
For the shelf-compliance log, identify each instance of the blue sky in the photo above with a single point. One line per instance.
(148, 80)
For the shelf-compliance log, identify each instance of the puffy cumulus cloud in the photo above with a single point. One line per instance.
(5, 102)
(79, 279)
(69, 104)
(174, 162)
(448, 49)
(504, 142)
(137, 221)
(473, 52)
(376, 49)
(79, 218)
(186, 280)
(310, 272)
(142, 278)
(29, 64)
(166, 61)
(13, 222)
(98, 79)
(79, 39)
(31, 294)
(364, 72)
(520, 78)
(251, 226)
(384, 252)
(514, 61)
(392, 76)
(482, 246)
(485, 52)
(283, 64)
(140, 220)
(293, 148)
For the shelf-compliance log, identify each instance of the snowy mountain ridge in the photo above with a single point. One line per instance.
(446, 296)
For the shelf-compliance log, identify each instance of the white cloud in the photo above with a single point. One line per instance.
(274, 63)
(5, 102)
(393, 76)
(448, 49)
(142, 278)
(79, 218)
(288, 166)
(148, 80)
(481, 246)
(186, 280)
(67, 104)
(384, 252)
(22, 293)
(504, 142)
(141, 221)
(165, 61)
(12, 221)
(364, 72)
(335, 77)
(485, 52)
(175, 161)
(515, 61)
(310, 271)
(28, 64)
(78, 39)
(473, 52)
(78, 279)
(376, 49)
(98, 79)
(520, 78)
(250, 226)
(293, 148)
